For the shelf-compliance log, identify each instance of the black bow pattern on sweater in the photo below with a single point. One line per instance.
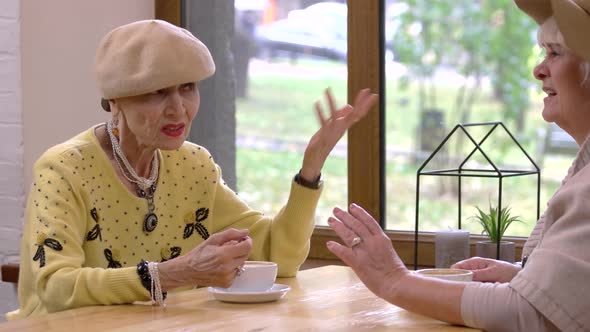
(42, 241)
(171, 253)
(95, 231)
(113, 258)
(200, 215)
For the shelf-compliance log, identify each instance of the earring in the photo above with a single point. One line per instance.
(115, 122)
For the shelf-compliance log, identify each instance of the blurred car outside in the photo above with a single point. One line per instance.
(319, 30)
(256, 5)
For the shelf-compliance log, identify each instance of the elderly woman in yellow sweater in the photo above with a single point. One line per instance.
(549, 291)
(128, 210)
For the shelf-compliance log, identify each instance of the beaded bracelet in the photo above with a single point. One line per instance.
(143, 271)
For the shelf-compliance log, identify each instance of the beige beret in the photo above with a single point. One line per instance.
(149, 55)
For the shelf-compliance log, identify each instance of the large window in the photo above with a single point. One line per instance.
(287, 53)
(461, 62)
(440, 63)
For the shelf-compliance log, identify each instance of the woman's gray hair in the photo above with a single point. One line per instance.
(549, 33)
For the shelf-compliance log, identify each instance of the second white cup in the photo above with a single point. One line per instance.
(447, 274)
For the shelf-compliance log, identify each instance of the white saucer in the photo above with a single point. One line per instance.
(276, 292)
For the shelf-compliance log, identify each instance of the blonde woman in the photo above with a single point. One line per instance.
(549, 291)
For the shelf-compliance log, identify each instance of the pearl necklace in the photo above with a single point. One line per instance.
(142, 182)
(145, 187)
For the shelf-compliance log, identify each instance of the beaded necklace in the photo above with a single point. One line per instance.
(145, 187)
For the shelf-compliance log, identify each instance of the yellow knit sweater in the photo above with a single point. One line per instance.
(83, 234)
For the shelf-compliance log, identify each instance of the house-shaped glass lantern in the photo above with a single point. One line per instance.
(463, 166)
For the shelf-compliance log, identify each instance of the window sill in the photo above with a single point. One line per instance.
(403, 242)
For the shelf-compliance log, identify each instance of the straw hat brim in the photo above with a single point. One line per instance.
(572, 17)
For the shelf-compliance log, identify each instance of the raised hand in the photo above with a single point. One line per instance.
(332, 129)
(488, 270)
(367, 250)
(214, 262)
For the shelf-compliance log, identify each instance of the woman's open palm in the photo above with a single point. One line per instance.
(333, 128)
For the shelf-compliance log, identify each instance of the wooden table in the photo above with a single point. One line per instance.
(322, 299)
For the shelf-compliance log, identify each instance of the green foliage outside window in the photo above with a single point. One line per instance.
(486, 38)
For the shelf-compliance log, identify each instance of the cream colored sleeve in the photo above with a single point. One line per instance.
(497, 307)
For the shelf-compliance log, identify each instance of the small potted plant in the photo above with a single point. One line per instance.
(489, 222)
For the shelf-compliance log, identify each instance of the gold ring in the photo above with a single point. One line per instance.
(355, 241)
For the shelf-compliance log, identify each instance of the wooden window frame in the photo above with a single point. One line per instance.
(169, 10)
(365, 143)
(366, 160)
(403, 242)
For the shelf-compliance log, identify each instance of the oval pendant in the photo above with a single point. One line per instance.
(150, 222)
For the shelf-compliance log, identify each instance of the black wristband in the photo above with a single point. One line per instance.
(146, 279)
(308, 184)
(144, 275)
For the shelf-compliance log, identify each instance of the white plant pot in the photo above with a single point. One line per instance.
(489, 249)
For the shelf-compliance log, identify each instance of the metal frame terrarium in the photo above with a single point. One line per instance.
(461, 171)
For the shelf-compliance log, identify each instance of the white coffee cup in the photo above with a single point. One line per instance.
(257, 276)
(447, 274)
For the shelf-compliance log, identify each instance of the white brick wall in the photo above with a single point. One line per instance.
(11, 145)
